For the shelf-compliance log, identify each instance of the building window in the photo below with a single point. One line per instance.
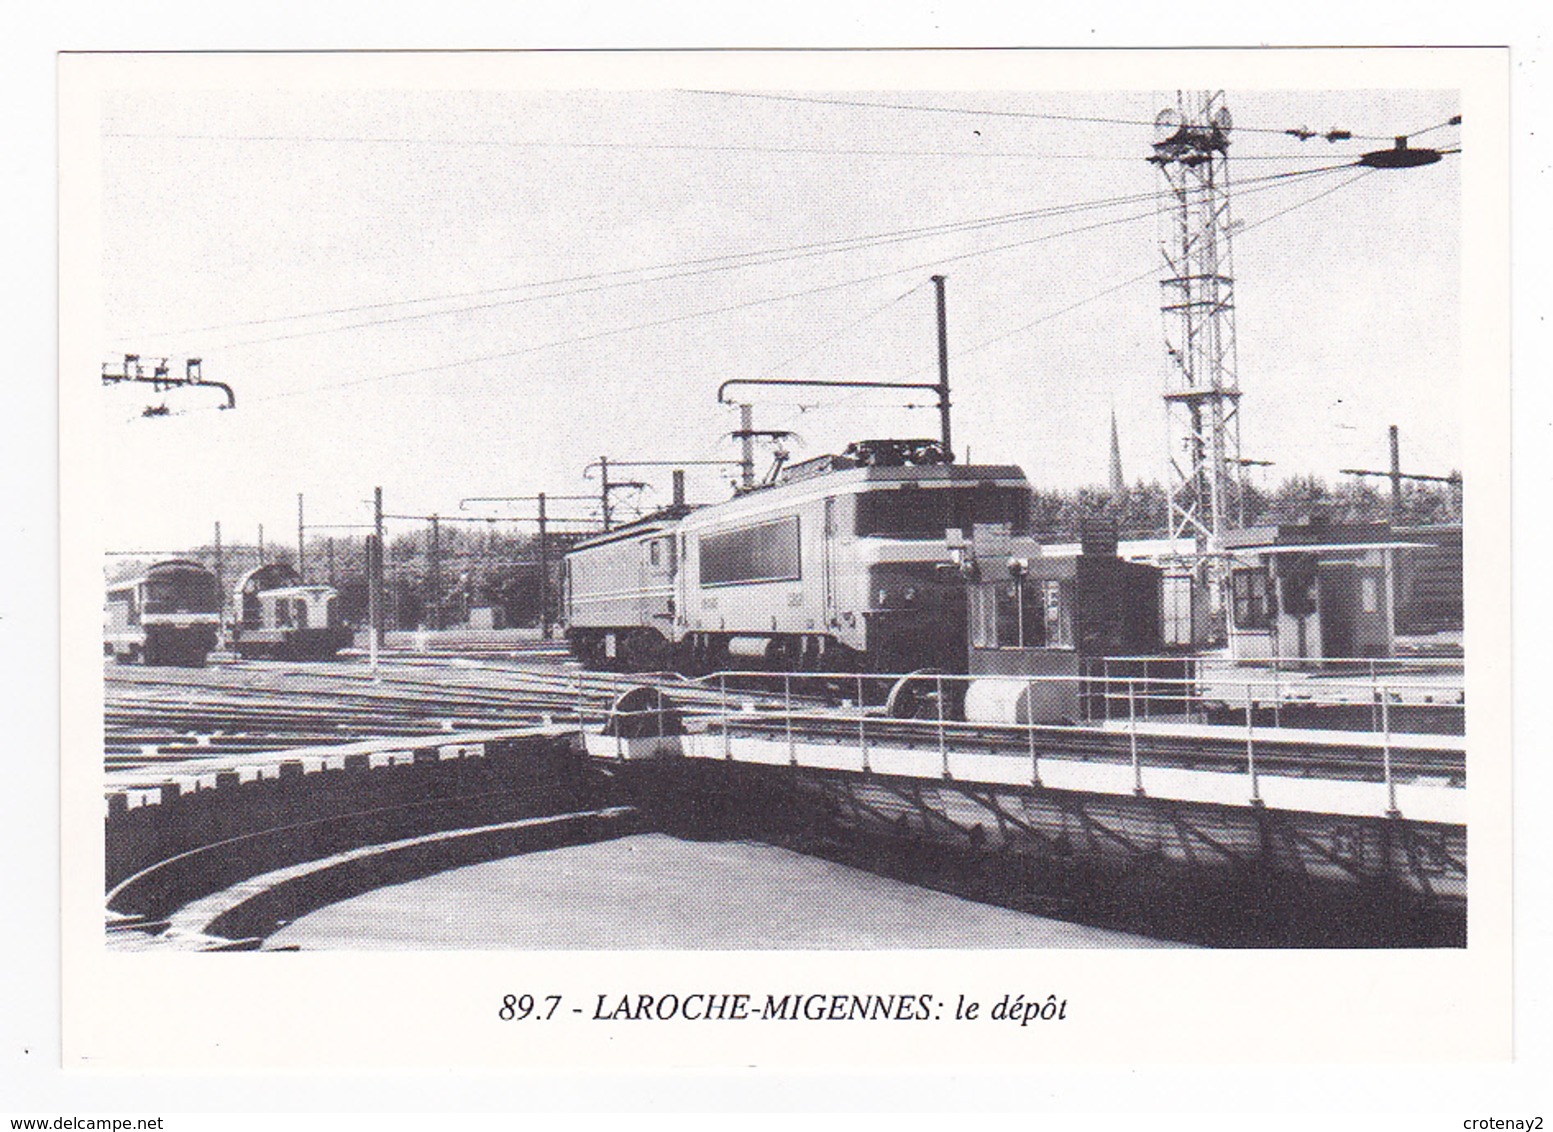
(1249, 589)
(1369, 594)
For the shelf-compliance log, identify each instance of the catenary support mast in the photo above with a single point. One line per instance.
(1202, 388)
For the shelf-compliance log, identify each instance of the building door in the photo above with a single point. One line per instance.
(1337, 587)
(1176, 611)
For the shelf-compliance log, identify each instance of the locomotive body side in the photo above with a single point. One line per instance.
(619, 597)
(846, 570)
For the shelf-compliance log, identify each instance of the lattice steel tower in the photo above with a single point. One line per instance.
(1202, 389)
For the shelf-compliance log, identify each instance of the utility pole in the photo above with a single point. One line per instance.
(940, 387)
(434, 574)
(943, 369)
(546, 618)
(301, 560)
(375, 572)
(220, 585)
(329, 550)
(544, 572)
(261, 544)
(475, 578)
(1396, 477)
(606, 485)
(604, 489)
(746, 434)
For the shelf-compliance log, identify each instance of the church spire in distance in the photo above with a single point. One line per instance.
(1118, 484)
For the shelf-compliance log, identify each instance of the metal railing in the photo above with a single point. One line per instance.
(1160, 717)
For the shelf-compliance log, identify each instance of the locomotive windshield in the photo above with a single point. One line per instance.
(181, 591)
(925, 512)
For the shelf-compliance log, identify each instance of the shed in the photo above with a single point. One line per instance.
(1312, 591)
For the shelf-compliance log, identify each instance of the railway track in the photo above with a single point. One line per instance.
(159, 715)
(155, 717)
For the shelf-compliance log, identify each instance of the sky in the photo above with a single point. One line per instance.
(474, 293)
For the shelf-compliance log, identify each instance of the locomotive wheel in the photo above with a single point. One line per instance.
(645, 651)
(643, 712)
(916, 696)
(783, 655)
(685, 657)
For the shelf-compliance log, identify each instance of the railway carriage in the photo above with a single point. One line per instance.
(171, 614)
(841, 564)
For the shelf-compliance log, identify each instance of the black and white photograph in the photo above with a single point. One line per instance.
(843, 506)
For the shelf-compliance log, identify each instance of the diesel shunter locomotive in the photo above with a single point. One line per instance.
(279, 615)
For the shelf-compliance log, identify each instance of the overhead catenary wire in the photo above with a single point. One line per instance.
(692, 147)
(695, 266)
(1453, 120)
(708, 312)
(693, 262)
(839, 331)
(687, 316)
(986, 113)
(1151, 272)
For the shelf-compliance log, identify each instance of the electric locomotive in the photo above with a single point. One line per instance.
(841, 563)
(169, 615)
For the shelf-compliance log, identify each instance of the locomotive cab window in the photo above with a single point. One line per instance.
(1022, 613)
(1008, 615)
(914, 511)
(1057, 604)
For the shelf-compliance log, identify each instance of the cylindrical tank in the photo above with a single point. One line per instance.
(1010, 699)
(751, 648)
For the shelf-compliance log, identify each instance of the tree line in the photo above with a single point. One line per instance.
(487, 568)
